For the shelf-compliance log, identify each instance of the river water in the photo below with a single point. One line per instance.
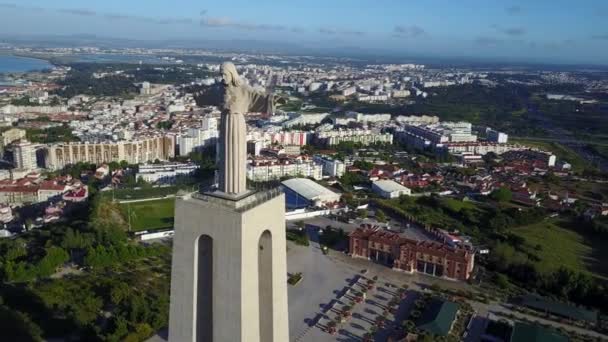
(22, 64)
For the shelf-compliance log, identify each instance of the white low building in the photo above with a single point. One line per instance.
(315, 194)
(164, 173)
(390, 189)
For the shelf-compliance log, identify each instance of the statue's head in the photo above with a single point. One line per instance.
(231, 76)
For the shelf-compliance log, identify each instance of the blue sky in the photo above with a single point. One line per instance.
(539, 30)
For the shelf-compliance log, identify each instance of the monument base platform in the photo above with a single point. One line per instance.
(228, 280)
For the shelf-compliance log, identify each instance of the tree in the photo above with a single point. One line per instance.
(501, 280)
(350, 200)
(502, 195)
(119, 293)
(490, 157)
(55, 101)
(362, 213)
(55, 257)
(363, 165)
(17, 326)
(380, 216)
(552, 178)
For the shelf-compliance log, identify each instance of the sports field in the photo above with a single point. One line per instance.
(149, 215)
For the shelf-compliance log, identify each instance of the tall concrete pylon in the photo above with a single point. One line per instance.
(229, 269)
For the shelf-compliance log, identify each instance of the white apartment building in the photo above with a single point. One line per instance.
(440, 133)
(6, 213)
(196, 138)
(401, 93)
(417, 120)
(272, 170)
(375, 118)
(365, 137)
(141, 150)
(480, 148)
(10, 136)
(287, 138)
(496, 136)
(314, 86)
(210, 123)
(349, 91)
(305, 119)
(24, 155)
(331, 167)
(373, 98)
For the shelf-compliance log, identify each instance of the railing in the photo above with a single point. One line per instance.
(239, 204)
(261, 197)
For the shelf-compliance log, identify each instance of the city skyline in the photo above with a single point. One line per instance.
(553, 32)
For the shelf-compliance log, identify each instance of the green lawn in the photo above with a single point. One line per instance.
(556, 246)
(457, 205)
(150, 214)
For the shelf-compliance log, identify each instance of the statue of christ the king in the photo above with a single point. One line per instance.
(239, 99)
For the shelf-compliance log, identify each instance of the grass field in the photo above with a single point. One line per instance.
(556, 245)
(150, 214)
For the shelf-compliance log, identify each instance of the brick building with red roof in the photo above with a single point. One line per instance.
(408, 255)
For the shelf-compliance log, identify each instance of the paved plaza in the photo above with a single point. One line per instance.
(332, 281)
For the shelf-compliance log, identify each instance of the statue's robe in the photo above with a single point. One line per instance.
(238, 100)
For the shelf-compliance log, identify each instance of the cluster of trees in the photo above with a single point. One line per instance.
(597, 226)
(167, 74)
(206, 162)
(16, 266)
(600, 225)
(80, 80)
(165, 124)
(102, 256)
(331, 237)
(350, 179)
(102, 239)
(17, 326)
(98, 304)
(363, 165)
(23, 101)
(502, 195)
(298, 236)
(49, 135)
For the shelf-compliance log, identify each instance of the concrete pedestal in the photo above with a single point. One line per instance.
(229, 273)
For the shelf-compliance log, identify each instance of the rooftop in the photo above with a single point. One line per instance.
(438, 317)
(308, 189)
(389, 186)
(535, 333)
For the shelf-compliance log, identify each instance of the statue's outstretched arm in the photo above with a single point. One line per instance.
(260, 102)
(263, 102)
